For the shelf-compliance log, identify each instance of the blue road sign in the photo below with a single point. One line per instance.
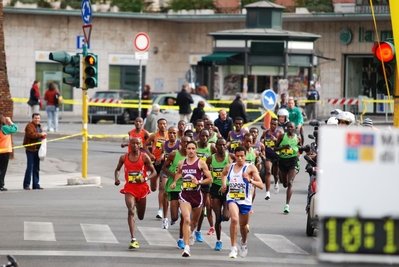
(269, 99)
(80, 40)
(86, 11)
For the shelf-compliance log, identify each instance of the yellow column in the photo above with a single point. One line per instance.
(394, 8)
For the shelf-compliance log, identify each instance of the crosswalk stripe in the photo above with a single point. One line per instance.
(280, 244)
(98, 233)
(211, 240)
(157, 236)
(39, 231)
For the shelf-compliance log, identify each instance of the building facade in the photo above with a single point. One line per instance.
(345, 67)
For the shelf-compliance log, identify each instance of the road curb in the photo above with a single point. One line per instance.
(84, 181)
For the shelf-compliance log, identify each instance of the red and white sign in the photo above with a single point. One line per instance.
(343, 101)
(87, 33)
(142, 42)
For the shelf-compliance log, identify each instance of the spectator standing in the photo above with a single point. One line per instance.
(35, 100)
(7, 128)
(151, 121)
(224, 123)
(184, 100)
(51, 108)
(198, 112)
(146, 95)
(237, 109)
(33, 134)
(312, 96)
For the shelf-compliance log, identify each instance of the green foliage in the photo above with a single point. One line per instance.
(43, 3)
(247, 2)
(13, 2)
(75, 4)
(316, 5)
(177, 5)
(129, 5)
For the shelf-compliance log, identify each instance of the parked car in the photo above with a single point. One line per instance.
(172, 115)
(117, 114)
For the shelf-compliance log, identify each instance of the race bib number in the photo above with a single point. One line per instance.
(237, 194)
(217, 173)
(288, 152)
(234, 145)
(202, 156)
(158, 144)
(133, 176)
(188, 185)
(269, 143)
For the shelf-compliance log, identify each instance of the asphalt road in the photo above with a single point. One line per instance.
(86, 225)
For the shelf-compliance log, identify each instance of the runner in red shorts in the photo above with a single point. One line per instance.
(136, 187)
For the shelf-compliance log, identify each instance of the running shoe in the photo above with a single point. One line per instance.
(173, 222)
(218, 246)
(298, 166)
(243, 250)
(247, 226)
(192, 239)
(165, 223)
(211, 231)
(267, 195)
(159, 214)
(180, 243)
(233, 253)
(186, 252)
(133, 244)
(205, 212)
(276, 188)
(286, 209)
(198, 236)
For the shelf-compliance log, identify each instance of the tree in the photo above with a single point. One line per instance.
(316, 5)
(6, 103)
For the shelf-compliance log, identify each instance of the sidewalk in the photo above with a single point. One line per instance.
(57, 173)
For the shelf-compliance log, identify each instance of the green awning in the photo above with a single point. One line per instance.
(218, 57)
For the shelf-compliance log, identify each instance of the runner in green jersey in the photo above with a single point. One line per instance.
(287, 144)
(169, 168)
(252, 157)
(216, 164)
(204, 150)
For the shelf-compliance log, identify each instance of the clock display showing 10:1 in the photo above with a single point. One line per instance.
(360, 236)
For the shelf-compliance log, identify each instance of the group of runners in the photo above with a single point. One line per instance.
(198, 173)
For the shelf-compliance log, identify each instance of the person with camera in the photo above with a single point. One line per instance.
(288, 145)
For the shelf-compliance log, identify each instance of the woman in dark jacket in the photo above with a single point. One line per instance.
(198, 112)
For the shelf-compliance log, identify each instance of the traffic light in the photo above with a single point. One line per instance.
(71, 66)
(91, 71)
(384, 56)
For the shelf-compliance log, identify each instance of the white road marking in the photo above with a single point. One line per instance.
(295, 261)
(158, 236)
(280, 244)
(98, 233)
(211, 240)
(39, 231)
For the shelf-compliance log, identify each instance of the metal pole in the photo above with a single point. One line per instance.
(245, 80)
(394, 9)
(85, 144)
(140, 90)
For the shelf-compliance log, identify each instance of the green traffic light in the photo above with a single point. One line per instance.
(71, 66)
(90, 70)
(61, 56)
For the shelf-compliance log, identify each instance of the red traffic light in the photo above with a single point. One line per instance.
(384, 51)
(90, 60)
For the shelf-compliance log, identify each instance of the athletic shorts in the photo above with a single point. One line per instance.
(287, 164)
(173, 196)
(158, 168)
(206, 188)
(139, 191)
(243, 209)
(273, 159)
(215, 192)
(195, 198)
